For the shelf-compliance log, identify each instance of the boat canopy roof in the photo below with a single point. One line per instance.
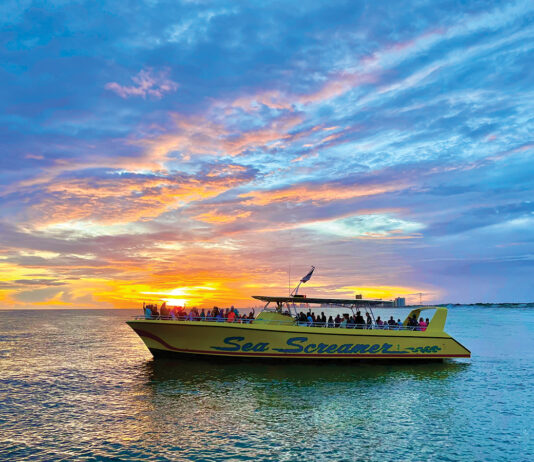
(332, 301)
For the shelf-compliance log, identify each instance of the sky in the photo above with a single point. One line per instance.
(204, 152)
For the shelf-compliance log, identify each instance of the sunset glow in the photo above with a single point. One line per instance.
(140, 163)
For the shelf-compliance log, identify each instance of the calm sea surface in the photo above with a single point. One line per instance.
(80, 385)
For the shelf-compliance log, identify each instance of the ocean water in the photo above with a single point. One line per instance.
(80, 385)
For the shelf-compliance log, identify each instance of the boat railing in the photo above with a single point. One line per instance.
(282, 322)
(359, 326)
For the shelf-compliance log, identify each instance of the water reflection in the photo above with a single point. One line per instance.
(192, 372)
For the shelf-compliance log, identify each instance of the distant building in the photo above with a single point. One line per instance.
(359, 296)
(399, 302)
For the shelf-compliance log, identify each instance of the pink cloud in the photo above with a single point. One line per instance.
(147, 83)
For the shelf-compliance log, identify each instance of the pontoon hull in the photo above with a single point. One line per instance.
(234, 340)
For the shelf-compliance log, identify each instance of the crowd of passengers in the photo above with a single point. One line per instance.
(178, 313)
(310, 319)
(358, 322)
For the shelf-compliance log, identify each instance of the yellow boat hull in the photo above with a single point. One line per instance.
(263, 340)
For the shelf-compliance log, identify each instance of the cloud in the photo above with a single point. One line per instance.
(375, 226)
(348, 136)
(147, 83)
(323, 192)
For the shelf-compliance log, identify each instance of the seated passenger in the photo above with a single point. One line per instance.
(148, 312)
(323, 319)
(379, 323)
(330, 322)
(391, 321)
(369, 321)
(343, 323)
(422, 324)
(202, 315)
(400, 324)
(163, 310)
(154, 309)
(310, 320)
(337, 321)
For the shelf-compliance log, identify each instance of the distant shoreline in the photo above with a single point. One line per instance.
(445, 305)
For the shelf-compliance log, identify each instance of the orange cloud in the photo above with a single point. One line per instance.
(126, 199)
(199, 135)
(320, 193)
(218, 217)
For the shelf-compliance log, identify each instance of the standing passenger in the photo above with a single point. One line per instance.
(369, 321)
(360, 322)
(231, 315)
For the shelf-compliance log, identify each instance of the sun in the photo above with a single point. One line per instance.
(175, 301)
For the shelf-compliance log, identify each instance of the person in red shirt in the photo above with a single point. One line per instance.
(231, 315)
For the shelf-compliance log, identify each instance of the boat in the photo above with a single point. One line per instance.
(277, 333)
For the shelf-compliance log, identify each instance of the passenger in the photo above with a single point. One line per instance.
(422, 324)
(400, 324)
(202, 315)
(303, 319)
(154, 309)
(343, 322)
(214, 313)
(251, 316)
(309, 320)
(391, 321)
(330, 322)
(148, 311)
(173, 313)
(231, 315)
(163, 310)
(427, 322)
(412, 322)
(359, 321)
(369, 321)
(323, 319)
(313, 319)
(337, 321)
(379, 323)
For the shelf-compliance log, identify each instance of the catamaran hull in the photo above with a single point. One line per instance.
(216, 340)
